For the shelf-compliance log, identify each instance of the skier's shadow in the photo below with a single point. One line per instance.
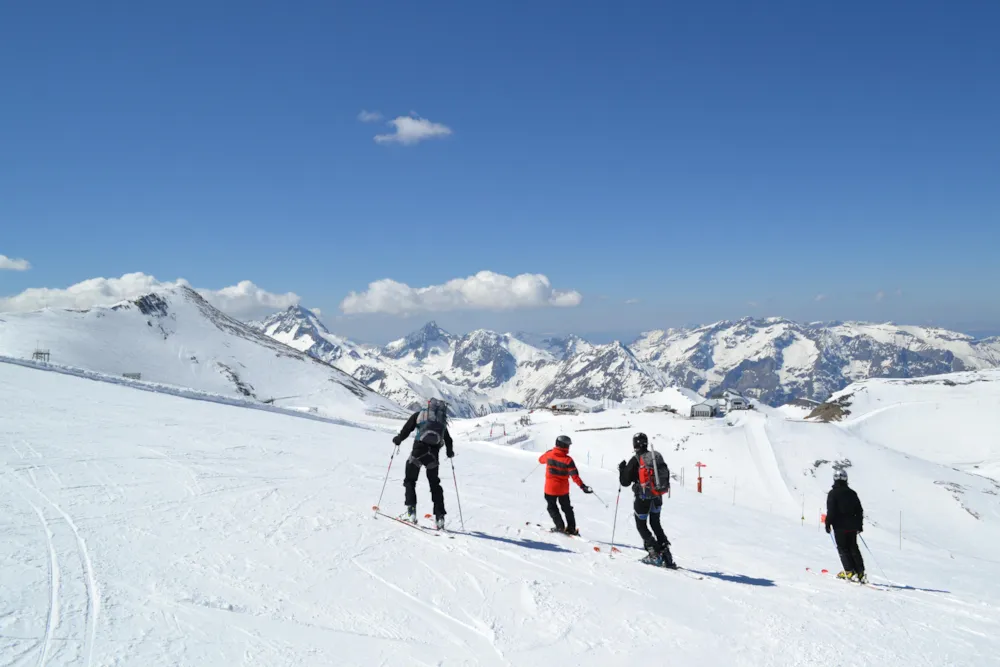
(523, 542)
(736, 578)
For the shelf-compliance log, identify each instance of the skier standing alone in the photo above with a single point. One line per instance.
(559, 468)
(649, 477)
(431, 425)
(845, 516)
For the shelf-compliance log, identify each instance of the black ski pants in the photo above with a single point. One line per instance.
(567, 509)
(850, 554)
(426, 457)
(649, 509)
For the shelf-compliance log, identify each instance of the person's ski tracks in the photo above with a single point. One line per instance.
(93, 607)
(53, 616)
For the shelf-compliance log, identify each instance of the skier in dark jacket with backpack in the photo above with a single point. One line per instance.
(649, 477)
(845, 516)
(431, 425)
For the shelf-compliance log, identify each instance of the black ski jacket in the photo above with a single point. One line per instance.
(411, 425)
(843, 508)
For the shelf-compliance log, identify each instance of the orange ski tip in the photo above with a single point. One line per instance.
(597, 548)
(427, 516)
(375, 508)
(825, 571)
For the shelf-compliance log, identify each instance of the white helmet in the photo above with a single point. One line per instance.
(840, 474)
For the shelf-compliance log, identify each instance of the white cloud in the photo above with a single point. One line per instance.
(629, 302)
(820, 297)
(10, 264)
(752, 304)
(242, 301)
(879, 295)
(412, 130)
(316, 311)
(369, 116)
(484, 291)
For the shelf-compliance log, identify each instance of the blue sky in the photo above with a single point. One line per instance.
(706, 160)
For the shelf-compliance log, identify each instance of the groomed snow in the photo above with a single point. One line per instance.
(144, 529)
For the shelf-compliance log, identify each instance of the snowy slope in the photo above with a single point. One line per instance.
(175, 337)
(153, 530)
(891, 412)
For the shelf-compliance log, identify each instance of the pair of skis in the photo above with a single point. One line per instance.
(427, 530)
(868, 584)
(615, 550)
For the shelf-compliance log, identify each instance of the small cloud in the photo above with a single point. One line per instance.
(10, 264)
(412, 130)
(316, 311)
(879, 295)
(820, 297)
(898, 292)
(752, 304)
(243, 301)
(629, 302)
(484, 291)
(369, 116)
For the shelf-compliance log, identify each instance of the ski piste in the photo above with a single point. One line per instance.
(869, 584)
(427, 530)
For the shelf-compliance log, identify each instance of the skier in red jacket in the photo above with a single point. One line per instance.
(559, 468)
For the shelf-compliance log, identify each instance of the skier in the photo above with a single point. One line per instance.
(649, 477)
(559, 468)
(845, 516)
(431, 425)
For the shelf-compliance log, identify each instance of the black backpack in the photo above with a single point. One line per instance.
(432, 422)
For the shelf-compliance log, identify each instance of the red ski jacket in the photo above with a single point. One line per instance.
(558, 470)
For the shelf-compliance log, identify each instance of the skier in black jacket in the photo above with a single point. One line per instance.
(647, 505)
(431, 425)
(845, 516)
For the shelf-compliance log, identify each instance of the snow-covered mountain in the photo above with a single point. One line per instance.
(175, 337)
(777, 360)
(774, 360)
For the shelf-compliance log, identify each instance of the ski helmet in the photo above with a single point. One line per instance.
(640, 442)
(563, 442)
(839, 475)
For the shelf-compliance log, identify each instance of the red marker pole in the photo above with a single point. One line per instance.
(699, 465)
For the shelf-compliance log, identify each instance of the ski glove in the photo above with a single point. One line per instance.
(622, 466)
(827, 529)
(586, 489)
(396, 441)
(451, 453)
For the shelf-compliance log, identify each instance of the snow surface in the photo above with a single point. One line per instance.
(148, 529)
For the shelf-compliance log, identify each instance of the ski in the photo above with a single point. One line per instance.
(556, 532)
(433, 532)
(869, 584)
(678, 569)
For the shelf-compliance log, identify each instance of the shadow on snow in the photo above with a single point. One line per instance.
(523, 542)
(736, 578)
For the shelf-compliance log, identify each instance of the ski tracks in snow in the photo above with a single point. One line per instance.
(57, 538)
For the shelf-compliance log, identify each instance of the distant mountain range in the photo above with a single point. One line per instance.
(774, 360)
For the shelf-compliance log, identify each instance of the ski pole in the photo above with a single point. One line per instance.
(394, 450)
(598, 497)
(874, 559)
(457, 497)
(614, 525)
(531, 473)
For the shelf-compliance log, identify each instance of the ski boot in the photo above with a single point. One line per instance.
(846, 576)
(861, 578)
(439, 522)
(557, 529)
(667, 558)
(575, 532)
(411, 514)
(653, 557)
